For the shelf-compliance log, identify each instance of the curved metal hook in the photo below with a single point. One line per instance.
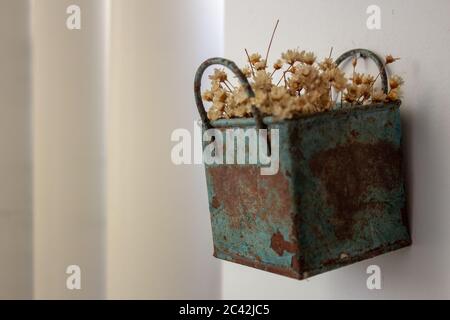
(368, 54)
(242, 79)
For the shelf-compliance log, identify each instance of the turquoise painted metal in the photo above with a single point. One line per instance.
(337, 198)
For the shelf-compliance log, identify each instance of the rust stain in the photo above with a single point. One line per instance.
(215, 202)
(348, 171)
(236, 188)
(279, 245)
(296, 263)
(243, 191)
(287, 272)
(276, 196)
(354, 133)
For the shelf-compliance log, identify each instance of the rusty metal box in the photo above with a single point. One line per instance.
(337, 198)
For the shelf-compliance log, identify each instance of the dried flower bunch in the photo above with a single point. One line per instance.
(297, 84)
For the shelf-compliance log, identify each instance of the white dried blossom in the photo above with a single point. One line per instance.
(304, 87)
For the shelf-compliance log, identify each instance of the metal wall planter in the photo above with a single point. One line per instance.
(337, 198)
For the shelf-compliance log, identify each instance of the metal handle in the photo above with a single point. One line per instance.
(364, 53)
(242, 79)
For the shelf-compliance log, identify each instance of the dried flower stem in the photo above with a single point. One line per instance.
(374, 80)
(231, 84)
(227, 86)
(271, 39)
(249, 61)
(271, 75)
(284, 75)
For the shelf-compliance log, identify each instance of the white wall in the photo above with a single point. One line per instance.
(69, 101)
(159, 237)
(16, 260)
(418, 32)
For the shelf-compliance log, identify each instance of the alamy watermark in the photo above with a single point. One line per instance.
(73, 281)
(374, 280)
(73, 21)
(228, 146)
(373, 21)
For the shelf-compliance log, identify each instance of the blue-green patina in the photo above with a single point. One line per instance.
(338, 196)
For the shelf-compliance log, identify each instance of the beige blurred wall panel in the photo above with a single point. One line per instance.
(159, 237)
(69, 102)
(15, 155)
